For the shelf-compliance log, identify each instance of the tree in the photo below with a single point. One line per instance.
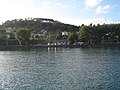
(88, 34)
(51, 38)
(2, 34)
(59, 35)
(23, 36)
(72, 37)
(84, 33)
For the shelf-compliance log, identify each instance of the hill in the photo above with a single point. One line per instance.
(38, 24)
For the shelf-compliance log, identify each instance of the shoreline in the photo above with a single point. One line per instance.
(31, 47)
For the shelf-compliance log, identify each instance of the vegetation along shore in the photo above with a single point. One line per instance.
(42, 32)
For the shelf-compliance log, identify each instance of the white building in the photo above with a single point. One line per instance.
(9, 29)
(64, 33)
(41, 33)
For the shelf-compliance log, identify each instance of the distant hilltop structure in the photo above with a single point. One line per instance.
(38, 24)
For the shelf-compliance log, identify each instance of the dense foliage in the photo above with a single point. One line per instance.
(72, 37)
(38, 24)
(24, 31)
(100, 34)
(23, 36)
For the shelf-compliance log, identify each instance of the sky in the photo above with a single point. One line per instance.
(75, 12)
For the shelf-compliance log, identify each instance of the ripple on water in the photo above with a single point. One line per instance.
(60, 69)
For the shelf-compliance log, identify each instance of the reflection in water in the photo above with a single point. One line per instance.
(60, 69)
(52, 48)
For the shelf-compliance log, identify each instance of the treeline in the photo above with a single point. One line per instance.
(89, 34)
(35, 26)
(38, 24)
(100, 34)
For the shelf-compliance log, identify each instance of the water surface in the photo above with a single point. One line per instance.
(60, 69)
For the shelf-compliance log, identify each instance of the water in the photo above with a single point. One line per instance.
(60, 69)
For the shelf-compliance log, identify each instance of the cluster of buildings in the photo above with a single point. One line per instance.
(42, 33)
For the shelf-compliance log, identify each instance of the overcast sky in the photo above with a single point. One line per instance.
(74, 12)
